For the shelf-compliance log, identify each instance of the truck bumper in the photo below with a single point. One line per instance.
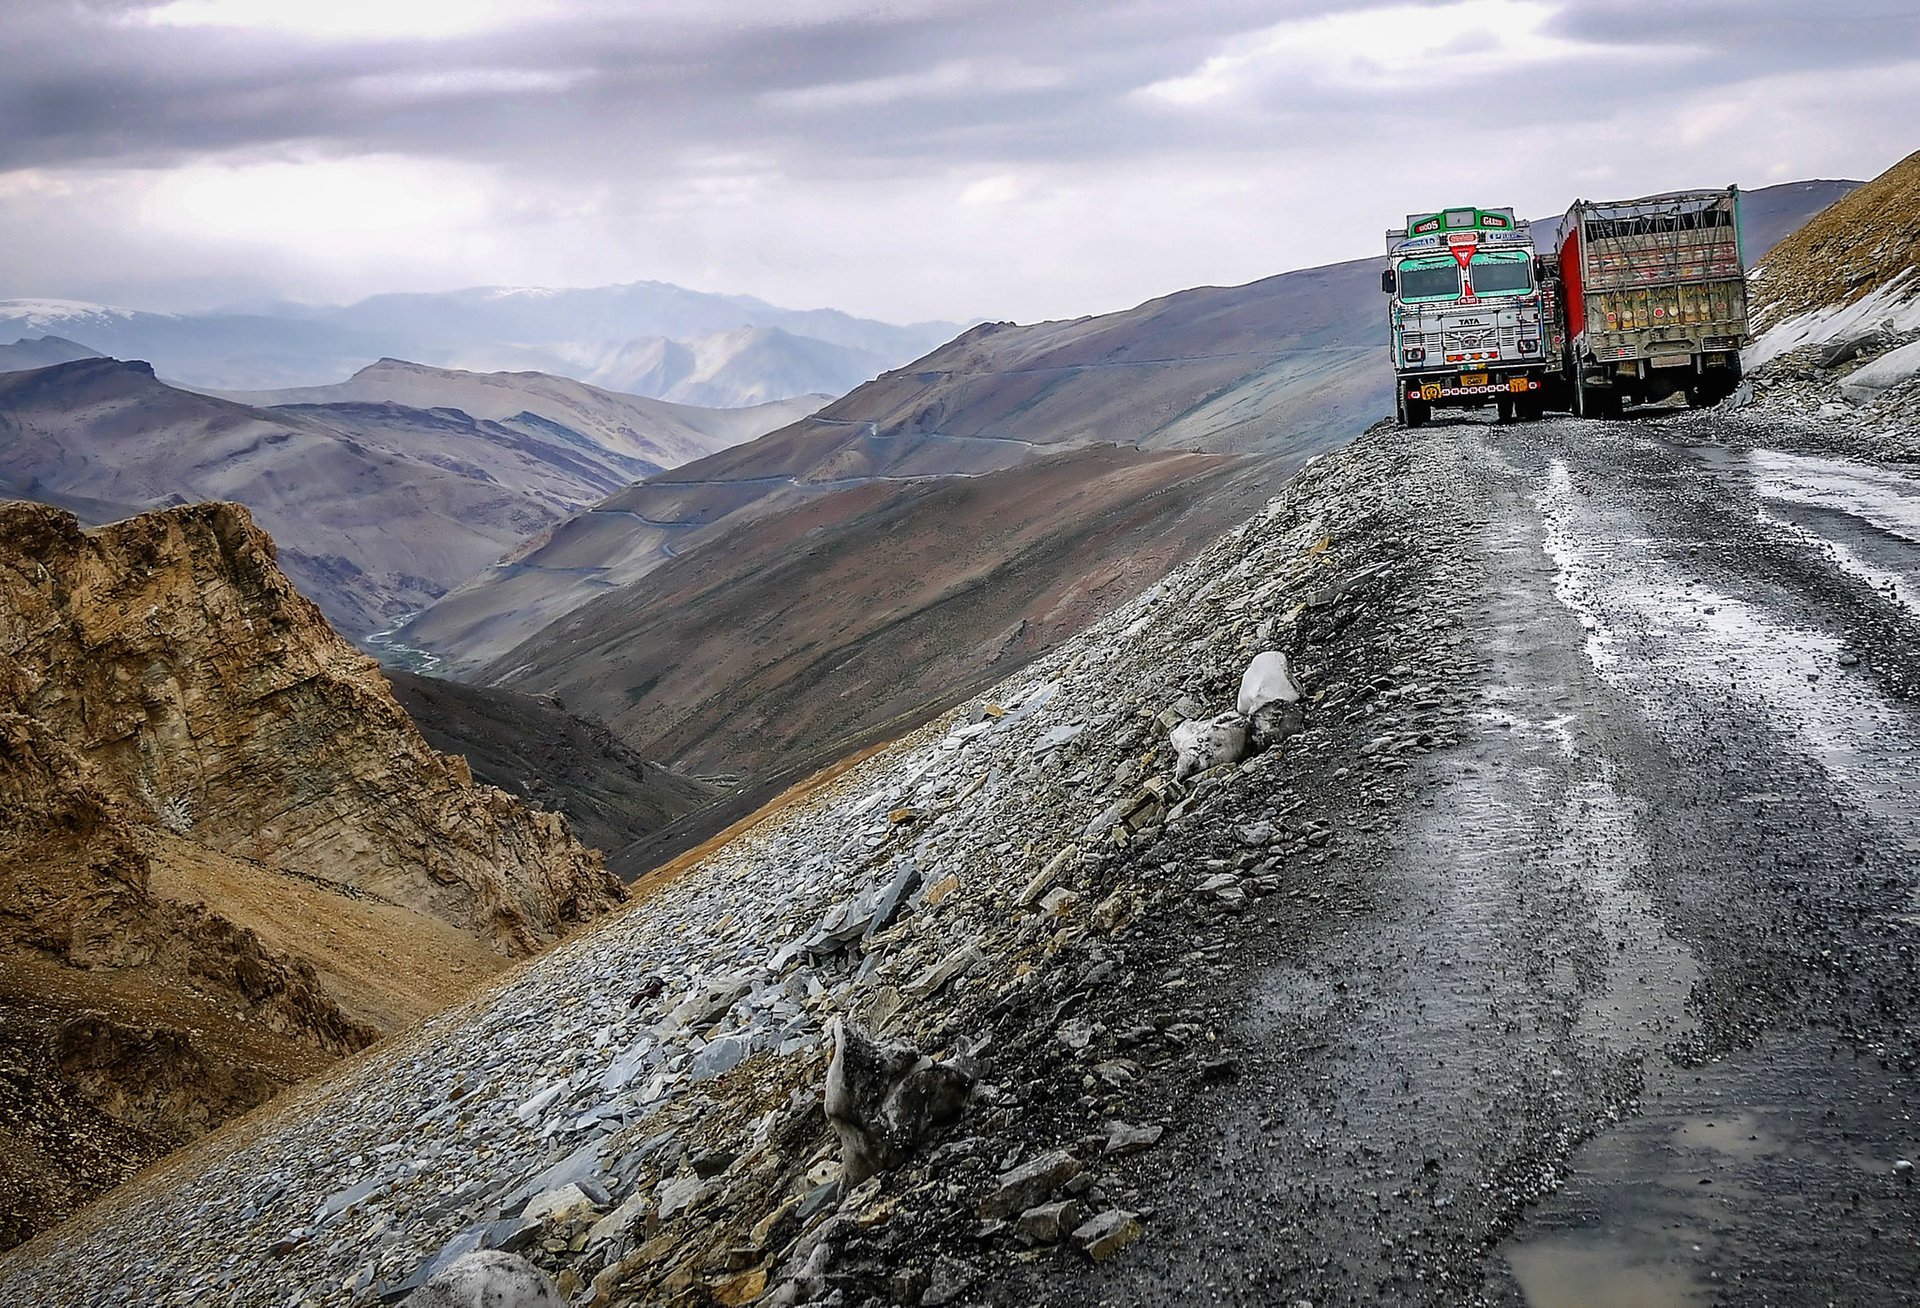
(1450, 391)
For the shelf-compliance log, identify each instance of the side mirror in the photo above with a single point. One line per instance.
(1387, 282)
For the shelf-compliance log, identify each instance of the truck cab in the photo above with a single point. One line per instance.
(1471, 323)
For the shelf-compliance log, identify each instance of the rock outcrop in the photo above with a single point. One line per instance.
(183, 666)
(211, 812)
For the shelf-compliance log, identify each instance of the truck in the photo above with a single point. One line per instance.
(1471, 321)
(1653, 295)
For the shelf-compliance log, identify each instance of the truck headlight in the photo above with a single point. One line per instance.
(1528, 347)
(1414, 353)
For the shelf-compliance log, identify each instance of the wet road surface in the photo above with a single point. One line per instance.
(1633, 1011)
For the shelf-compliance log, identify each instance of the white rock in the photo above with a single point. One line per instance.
(1202, 745)
(555, 1203)
(488, 1278)
(1267, 681)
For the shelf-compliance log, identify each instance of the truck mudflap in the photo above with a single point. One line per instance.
(1432, 392)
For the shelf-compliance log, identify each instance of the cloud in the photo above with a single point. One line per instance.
(915, 159)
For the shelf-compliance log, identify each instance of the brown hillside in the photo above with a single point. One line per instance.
(1851, 247)
(879, 604)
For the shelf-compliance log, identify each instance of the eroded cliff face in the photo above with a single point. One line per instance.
(227, 857)
(176, 658)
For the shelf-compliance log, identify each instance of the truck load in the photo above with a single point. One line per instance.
(1654, 297)
(1472, 321)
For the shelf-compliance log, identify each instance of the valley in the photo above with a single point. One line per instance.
(382, 493)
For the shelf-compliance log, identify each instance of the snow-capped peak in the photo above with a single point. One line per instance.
(39, 314)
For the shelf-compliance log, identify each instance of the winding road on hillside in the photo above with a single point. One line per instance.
(1631, 1015)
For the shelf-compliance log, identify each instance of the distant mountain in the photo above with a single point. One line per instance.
(632, 426)
(565, 318)
(42, 352)
(220, 351)
(377, 509)
(748, 366)
(1769, 215)
(573, 332)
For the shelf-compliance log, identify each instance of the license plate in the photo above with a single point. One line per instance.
(1671, 360)
(1473, 379)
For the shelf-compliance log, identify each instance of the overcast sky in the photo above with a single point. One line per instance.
(916, 159)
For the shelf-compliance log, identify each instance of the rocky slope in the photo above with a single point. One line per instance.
(1853, 249)
(228, 855)
(1837, 310)
(531, 748)
(1037, 880)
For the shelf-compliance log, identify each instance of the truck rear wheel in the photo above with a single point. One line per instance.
(1414, 413)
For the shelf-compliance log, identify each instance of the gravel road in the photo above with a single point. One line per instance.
(1621, 1006)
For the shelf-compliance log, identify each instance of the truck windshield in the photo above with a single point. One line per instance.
(1429, 279)
(1502, 274)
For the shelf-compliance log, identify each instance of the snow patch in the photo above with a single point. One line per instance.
(1896, 303)
(1894, 368)
(42, 314)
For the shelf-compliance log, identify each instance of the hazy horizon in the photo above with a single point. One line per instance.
(945, 160)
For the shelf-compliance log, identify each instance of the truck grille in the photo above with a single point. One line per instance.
(1462, 339)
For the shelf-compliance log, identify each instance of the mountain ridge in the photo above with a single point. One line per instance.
(377, 510)
(561, 331)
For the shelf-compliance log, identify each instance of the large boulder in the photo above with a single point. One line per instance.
(1207, 743)
(885, 1100)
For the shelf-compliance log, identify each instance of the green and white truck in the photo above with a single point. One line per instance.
(1472, 322)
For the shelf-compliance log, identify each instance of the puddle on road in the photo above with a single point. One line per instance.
(1582, 1271)
(1865, 518)
(1773, 1168)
